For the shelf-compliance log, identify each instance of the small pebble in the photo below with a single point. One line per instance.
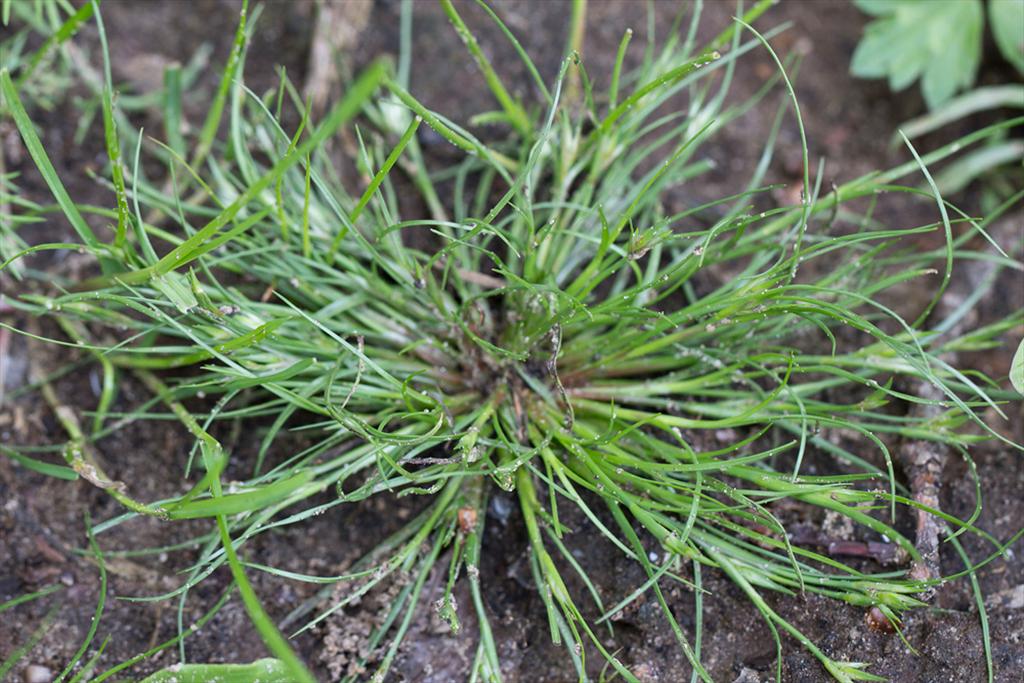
(37, 673)
(878, 622)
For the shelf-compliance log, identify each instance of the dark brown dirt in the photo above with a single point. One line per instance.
(41, 520)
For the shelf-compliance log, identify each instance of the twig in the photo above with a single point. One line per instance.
(883, 553)
(923, 462)
(336, 31)
(79, 452)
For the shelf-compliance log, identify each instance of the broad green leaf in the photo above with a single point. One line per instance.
(938, 42)
(1007, 20)
(1017, 369)
(955, 41)
(874, 7)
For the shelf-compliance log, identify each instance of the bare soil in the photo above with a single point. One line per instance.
(849, 122)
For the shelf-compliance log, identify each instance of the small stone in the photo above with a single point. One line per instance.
(37, 673)
(747, 675)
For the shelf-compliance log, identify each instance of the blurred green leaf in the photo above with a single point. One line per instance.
(959, 174)
(874, 7)
(1007, 19)
(936, 41)
(984, 98)
(1017, 369)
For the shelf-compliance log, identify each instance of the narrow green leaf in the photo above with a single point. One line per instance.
(113, 143)
(516, 115)
(66, 31)
(266, 670)
(236, 503)
(29, 597)
(172, 109)
(13, 104)
(176, 288)
(341, 113)
(49, 469)
(18, 653)
(100, 603)
(211, 124)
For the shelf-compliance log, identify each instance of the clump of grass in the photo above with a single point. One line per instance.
(40, 81)
(46, 74)
(549, 328)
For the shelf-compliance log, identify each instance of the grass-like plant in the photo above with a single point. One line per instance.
(549, 327)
